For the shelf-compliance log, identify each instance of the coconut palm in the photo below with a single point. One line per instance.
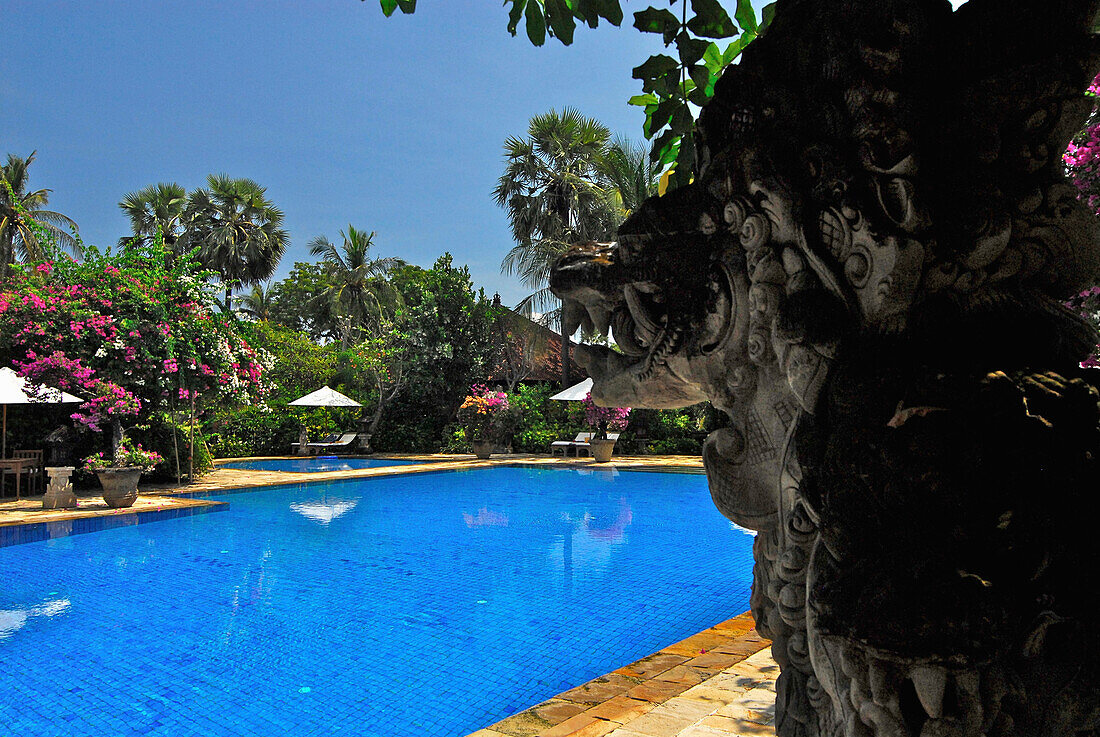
(156, 206)
(26, 226)
(360, 291)
(237, 229)
(632, 174)
(259, 302)
(557, 193)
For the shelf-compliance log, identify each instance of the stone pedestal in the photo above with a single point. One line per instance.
(59, 493)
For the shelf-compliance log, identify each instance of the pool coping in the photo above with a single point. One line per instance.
(718, 681)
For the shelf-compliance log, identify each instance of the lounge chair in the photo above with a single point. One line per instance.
(327, 439)
(577, 443)
(345, 442)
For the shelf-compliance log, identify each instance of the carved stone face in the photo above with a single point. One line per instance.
(848, 297)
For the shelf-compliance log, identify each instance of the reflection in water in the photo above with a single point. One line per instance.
(324, 512)
(485, 518)
(12, 620)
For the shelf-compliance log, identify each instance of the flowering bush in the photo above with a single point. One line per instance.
(602, 419)
(482, 413)
(131, 333)
(126, 455)
(1082, 157)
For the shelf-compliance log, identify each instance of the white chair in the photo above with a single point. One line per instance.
(577, 443)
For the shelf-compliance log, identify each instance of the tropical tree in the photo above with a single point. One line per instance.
(259, 303)
(632, 173)
(359, 291)
(24, 219)
(156, 207)
(237, 229)
(297, 301)
(556, 192)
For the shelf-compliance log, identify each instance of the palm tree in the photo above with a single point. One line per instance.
(632, 173)
(360, 290)
(238, 230)
(557, 193)
(258, 302)
(24, 220)
(156, 206)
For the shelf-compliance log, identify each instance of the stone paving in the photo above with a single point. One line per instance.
(717, 683)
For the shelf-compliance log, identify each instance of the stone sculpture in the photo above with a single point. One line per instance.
(867, 277)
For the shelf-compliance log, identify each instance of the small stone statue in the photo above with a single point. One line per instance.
(867, 276)
(59, 491)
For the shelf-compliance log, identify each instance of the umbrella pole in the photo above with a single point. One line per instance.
(4, 453)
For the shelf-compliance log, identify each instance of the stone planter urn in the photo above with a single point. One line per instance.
(482, 448)
(120, 485)
(602, 449)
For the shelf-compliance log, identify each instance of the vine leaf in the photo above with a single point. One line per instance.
(711, 20)
(652, 20)
(746, 16)
(536, 23)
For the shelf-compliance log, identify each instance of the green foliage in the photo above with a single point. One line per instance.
(543, 420)
(298, 301)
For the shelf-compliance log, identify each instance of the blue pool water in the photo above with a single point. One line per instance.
(314, 465)
(430, 604)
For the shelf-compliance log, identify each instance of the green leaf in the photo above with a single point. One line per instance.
(388, 6)
(515, 14)
(665, 149)
(611, 10)
(746, 16)
(408, 7)
(660, 117)
(642, 100)
(536, 23)
(703, 78)
(690, 49)
(655, 66)
(682, 121)
(561, 20)
(711, 20)
(684, 170)
(766, 15)
(652, 20)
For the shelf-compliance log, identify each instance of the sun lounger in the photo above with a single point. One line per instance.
(577, 443)
(345, 442)
(327, 439)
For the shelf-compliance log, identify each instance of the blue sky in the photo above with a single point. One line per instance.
(394, 125)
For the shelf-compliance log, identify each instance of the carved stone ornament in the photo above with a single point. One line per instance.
(867, 278)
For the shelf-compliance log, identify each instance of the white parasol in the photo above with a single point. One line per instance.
(14, 389)
(575, 393)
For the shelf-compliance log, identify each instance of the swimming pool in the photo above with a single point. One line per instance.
(428, 604)
(314, 465)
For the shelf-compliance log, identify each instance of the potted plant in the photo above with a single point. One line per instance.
(602, 419)
(119, 477)
(481, 415)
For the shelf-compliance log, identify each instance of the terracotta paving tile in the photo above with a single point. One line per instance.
(656, 691)
(621, 709)
(738, 727)
(556, 711)
(657, 723)
(652, 665)
(697, 644)
(600, 689)
(701, 731)
(525, 724)
(581, 725)
(714, 661)
(683, 675)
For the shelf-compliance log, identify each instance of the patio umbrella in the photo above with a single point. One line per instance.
(325, 397)
(575, 393)
(14, 389)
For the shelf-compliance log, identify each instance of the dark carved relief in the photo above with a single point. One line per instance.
(867, 278)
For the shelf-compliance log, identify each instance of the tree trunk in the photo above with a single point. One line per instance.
(565, 383)
(116, 436)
